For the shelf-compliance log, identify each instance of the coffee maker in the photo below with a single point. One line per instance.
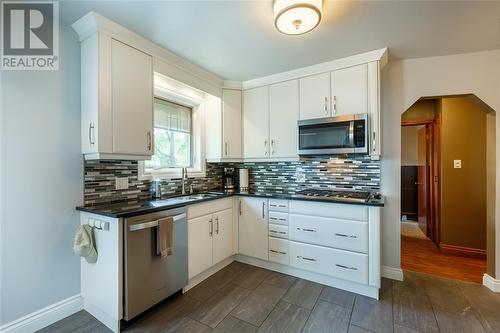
(229, 179)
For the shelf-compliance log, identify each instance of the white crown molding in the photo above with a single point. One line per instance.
(233, 85)
(491, 283)
(392, 273)
(93, 22)
(380, 55)
(44, 317)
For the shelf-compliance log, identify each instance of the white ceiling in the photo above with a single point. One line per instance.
(237, 39)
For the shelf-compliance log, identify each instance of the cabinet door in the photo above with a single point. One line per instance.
(350, 90)
(223, 235)
(231, 123)
(256, 122)
(200, 231)
(132, 100)
(315, 96)
(283, 116)
(253, 228)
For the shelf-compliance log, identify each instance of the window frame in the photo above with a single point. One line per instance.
(197, 134)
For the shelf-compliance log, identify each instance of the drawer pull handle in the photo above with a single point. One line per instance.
(305, 258)
(278, 206)
(305, 229)
(346, 267)
(278, 232)
(282, 219)
(277, 252)
(273, 218)
(347, 236)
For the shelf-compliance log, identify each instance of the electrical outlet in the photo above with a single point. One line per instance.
(301, 177)
(457, 164)
(121, 183)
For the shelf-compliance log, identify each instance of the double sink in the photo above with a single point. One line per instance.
(187, 198)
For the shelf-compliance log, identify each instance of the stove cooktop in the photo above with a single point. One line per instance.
(349, 196)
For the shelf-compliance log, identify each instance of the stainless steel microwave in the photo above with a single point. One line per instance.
(334, 135)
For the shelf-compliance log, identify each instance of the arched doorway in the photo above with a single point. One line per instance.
(448, 187)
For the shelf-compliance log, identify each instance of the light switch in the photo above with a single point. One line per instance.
(121, 183)
(457, 164)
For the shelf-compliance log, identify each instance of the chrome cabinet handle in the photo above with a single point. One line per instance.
(374, 141)
(265, 147)
(346, 236)
(91, 133)
(263, 210)
(217, 225)
(240, 207)
(305, 229)
(211, 233)
(149, 140)
(346, 267)
(305, 258)
(334, 104)
(326, 105)
(277, 232)
(225, 147)
(272, 147)
(277, 252)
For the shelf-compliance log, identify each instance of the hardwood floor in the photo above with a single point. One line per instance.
(247, 299)
(423, 256)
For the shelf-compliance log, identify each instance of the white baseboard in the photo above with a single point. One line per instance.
(491, 283)
(44, 317)
(392, 273)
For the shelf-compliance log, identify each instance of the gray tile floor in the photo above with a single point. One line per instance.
(243, 298)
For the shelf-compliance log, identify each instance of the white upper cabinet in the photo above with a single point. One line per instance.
(283, 116)
(350, 90)
(231, 124)
(256, 122)
(132, 100)
(315, 96)
(117, 100)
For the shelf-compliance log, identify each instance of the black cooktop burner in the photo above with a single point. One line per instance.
(337, 195)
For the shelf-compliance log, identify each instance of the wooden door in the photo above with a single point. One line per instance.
(132, 100)
(350, 90)
(253, 228)
(256, 123)
(423, 179)
(231, 123)
(283, 116)
(223, 235)
(315, 96)
(199, 244)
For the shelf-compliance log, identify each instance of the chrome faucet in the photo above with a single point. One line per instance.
(184, 178)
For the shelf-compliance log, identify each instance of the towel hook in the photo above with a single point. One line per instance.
(97, 224)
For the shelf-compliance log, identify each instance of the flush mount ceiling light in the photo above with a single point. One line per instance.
(295, 17)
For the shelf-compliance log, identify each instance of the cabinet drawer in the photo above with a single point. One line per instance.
(277, 230)
(327, 209)
(278, 250)
(341, 234)
(278, 218)
(337, 263)
(278, 205)
(209, 207)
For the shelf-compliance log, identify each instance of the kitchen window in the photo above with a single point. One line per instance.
(172, 136)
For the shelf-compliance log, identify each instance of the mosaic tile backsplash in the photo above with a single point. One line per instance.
(359, 174)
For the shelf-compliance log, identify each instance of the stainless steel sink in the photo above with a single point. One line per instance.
(185, 198)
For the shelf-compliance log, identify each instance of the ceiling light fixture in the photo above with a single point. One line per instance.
(296, 17)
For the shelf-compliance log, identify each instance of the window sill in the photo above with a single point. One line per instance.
(171, 174)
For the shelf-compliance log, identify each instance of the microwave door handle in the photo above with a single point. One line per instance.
(351, 134)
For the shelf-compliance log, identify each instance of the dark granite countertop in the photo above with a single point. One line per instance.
(129, 209)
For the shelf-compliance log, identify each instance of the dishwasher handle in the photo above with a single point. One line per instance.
(152, 224)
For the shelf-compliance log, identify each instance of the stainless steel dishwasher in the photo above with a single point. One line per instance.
(148, 279)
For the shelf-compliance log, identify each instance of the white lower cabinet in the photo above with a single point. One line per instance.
(338, 263)
(341, 234)
(253, 228)
(210, 236)
(278, 250)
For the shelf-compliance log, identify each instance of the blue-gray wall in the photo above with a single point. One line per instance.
(41, 182)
